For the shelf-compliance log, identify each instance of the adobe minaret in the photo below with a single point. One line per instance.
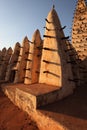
(79, 29)
(55, 63)
(11, 69)
(5, 61)
(3, 53)
(22, 60)
(34, 59)
(0, 54)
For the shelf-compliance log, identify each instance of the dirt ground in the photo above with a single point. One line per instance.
(70, 112)
(12, 118)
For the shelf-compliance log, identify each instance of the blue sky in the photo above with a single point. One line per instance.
(20, 18)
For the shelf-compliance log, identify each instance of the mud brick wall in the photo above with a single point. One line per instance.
(79, 41)
(79, 29)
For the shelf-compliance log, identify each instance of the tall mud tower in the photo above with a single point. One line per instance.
(79, 39)
(79, 29)
(34, 59)
(55, 69)
(12, 67)
(5, 62)
(22, 60)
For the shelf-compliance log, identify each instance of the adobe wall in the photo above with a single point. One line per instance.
(79, 29)
(79, 40)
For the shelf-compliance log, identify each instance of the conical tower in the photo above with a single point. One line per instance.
(11, 70)
(79, 29)
(0, 53)
(55, 69)
(3, 53)
(22, 60)
(5, 63)
(34, 59)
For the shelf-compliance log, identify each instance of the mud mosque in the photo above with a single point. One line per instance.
(42, 71)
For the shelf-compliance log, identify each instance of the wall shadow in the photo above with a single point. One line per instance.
(74, 105)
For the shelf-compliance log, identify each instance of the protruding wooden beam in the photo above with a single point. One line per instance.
(28, 53)
(50, 49)
(37, 72)
(20, 55)
(47, 36)
(16, 61)
(47, 29)
(51, 73)
(39, 55)
(47, 21)
(29, 60)
(27, 69)
(27, 78)
(63, 28)
(31, 42)
(49, 62)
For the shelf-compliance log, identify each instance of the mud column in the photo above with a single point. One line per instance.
(55, 63)
(22, 60)
(34, 59)
(5, 63)
(11, 70)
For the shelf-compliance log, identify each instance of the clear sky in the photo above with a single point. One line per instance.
(20, 18)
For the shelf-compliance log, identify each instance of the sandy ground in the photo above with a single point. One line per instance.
(12, 118)
(70, 112)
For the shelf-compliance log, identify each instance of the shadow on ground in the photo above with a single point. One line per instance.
(74, 105)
